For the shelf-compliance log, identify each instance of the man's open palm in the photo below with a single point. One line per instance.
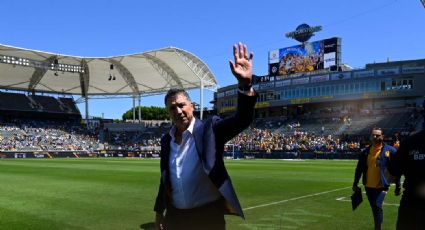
(242, 66)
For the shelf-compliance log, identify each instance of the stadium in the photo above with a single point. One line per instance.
(310, 115)
(341, 106)
(293, 167)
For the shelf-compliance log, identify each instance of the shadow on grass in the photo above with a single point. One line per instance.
(148, 226)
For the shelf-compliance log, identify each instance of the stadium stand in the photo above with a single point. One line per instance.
(39, 135)
(134, 136)
(44, 123)
(15, 101)
(324, 133)
(68, 105)
(274, 134)
(49, 104)
(18, 102)
(330, 109)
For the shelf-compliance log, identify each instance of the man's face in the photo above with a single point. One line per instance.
(180, 110)
(376, 136)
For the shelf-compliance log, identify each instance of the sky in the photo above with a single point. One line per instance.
(371, 31)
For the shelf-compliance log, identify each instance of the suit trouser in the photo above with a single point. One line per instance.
(376, 198)
(411, 212)
(209, 216)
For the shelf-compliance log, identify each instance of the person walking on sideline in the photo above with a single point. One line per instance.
(371, 166)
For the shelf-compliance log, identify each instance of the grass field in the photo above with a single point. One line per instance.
(117, 193)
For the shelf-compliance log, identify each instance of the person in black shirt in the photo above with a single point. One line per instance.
(410, 162)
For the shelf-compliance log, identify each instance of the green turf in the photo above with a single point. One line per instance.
(116, 193)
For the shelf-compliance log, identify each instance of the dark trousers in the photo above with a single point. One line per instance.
(411, 213)
(208, 217)
(376, 198)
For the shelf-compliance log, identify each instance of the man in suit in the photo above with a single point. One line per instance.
(195, 189)
(372, 164)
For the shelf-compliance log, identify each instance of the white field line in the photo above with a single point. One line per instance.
(344, 199)
(295, 198)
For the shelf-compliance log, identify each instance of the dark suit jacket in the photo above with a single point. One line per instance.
(210, 137)
(387, 152)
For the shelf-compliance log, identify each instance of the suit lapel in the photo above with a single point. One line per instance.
(165, 152)
(197, 135)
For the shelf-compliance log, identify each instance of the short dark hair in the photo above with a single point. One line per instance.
(172, 92)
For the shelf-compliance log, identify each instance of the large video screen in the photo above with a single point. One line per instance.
(307, 57)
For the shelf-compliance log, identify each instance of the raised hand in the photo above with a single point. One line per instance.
(242, 66)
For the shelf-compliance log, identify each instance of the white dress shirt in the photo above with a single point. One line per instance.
(191, 186)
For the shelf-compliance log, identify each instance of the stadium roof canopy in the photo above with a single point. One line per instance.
(146, 73)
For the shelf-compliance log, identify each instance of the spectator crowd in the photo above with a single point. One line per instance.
(264, 139)
(263, 135)
(46, 135)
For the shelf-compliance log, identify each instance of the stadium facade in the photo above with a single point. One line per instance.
(309, 78)
(378, 86)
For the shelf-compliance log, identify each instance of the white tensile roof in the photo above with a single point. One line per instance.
(144, 73)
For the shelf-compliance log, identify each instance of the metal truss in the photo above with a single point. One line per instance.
(38, 74)
(126, 74)
(200, 69)
(163, 69)
(84, 78)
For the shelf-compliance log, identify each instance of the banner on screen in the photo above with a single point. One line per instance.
(283, 83)
(388, 71)
(364, 73)
(299, 81)
(340, 76)
(306, 57)
(413, 69)
(320, 78)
